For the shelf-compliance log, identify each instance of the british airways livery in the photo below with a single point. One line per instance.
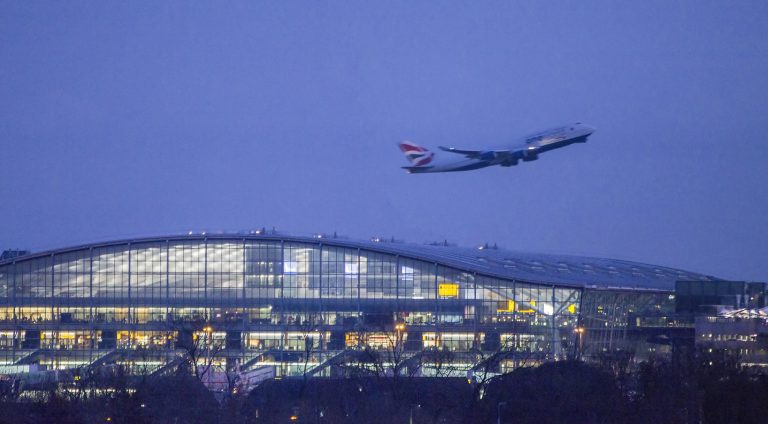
(525, 149)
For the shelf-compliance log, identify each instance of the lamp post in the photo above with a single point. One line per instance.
(580, 332)
(498, 411)
(399, 330)
(410, 418)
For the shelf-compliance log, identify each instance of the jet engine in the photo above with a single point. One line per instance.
(487, 155)
(530, 155)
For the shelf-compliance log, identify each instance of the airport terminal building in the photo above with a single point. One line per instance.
(260, 299)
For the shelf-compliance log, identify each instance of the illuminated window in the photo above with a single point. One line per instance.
(406, 273)
(351, 268)
(290, 267)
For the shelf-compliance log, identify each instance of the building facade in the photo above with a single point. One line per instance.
(299, 302)
(730, 317)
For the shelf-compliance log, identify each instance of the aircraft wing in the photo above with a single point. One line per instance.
(497, 155)
(472, 154)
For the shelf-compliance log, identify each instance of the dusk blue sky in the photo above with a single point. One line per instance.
(122, 119)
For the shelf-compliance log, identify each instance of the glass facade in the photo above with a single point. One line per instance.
(289, 302)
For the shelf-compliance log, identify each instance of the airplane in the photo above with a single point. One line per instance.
(526, 149)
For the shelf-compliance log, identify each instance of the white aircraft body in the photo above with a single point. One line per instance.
(525, 149)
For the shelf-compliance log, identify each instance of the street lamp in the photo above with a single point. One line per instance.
(399, 329)
(410, 419)
(208, 330)
(580, 332)
(498, 411)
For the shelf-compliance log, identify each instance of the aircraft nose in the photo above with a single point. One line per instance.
(589, 129)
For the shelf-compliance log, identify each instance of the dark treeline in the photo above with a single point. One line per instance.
(696, 387)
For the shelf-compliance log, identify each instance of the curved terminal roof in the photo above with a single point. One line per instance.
(565, 270)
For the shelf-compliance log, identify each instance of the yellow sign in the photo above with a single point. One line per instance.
(509, 307)
(529, 310)
(448, 290)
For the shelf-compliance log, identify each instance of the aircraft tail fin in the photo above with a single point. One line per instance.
(417, 155)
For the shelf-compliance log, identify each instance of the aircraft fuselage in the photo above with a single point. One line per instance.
(525, 149)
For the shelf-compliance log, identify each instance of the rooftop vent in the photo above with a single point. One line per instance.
(392, 239)
(440, 243)
(13, 253)
(325, 236)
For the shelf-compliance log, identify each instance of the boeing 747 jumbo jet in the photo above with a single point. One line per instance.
(526, 149)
